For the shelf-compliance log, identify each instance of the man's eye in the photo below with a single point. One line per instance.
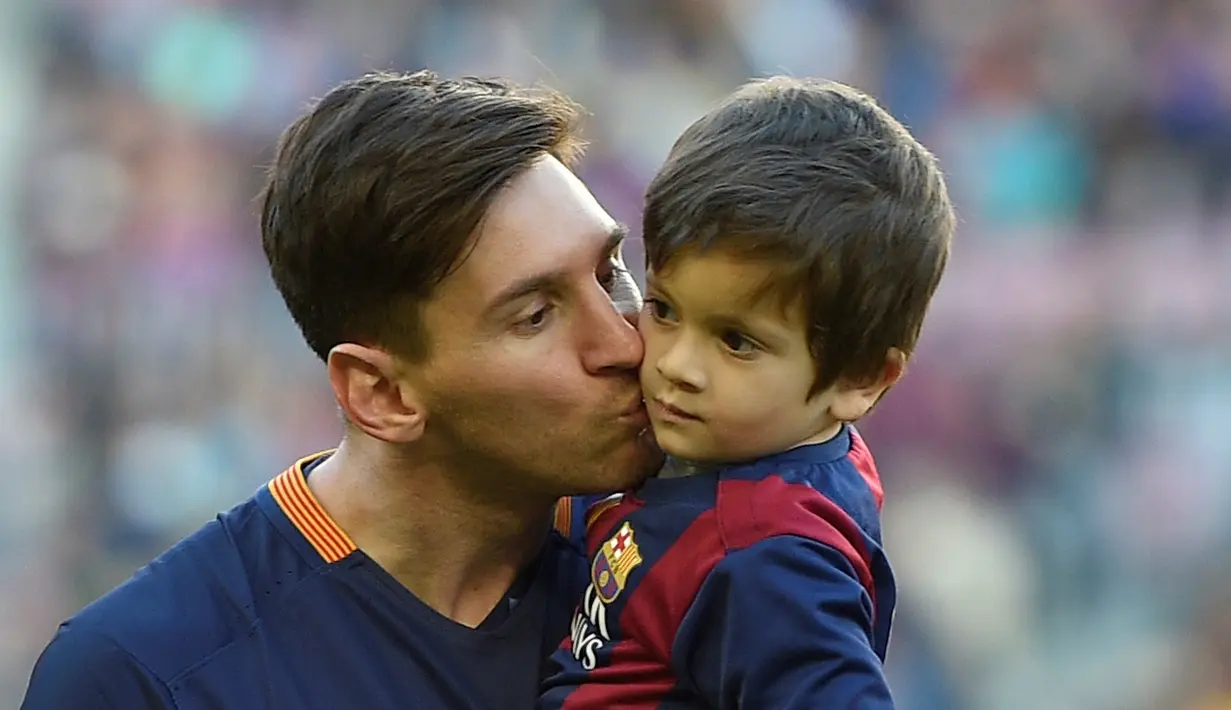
(612, 277)
(535, 322)
(538, 318)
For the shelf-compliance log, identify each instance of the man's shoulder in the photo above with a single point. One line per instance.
(84, 668)
(187, 603)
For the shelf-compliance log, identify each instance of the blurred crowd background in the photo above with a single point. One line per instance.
(1057, 463)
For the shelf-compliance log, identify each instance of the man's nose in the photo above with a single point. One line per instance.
(610, 337)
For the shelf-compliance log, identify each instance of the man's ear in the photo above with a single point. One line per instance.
(368, 386)
(853, 400)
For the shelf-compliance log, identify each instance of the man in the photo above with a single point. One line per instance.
(458, 281)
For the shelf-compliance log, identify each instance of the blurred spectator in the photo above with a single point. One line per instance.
(1056, 463)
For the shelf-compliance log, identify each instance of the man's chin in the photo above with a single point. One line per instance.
(653, 452)
(649, 457)
(628, 466)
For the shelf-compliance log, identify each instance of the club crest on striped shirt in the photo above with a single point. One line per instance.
(615, 560)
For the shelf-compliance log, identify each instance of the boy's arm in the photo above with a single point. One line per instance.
(83, 670)
(785, 624)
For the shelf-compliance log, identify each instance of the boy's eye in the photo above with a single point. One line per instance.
(738, 343)
(660, 310)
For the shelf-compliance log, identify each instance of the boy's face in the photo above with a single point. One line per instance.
(726, 375)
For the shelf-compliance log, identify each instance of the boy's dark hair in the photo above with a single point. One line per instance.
(375, 195)
(816, 176)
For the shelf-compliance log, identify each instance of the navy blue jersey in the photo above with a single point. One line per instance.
(763, 585)
(271, 606)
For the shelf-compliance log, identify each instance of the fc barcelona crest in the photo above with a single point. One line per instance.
(613, 562)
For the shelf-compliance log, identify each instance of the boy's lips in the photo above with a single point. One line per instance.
(666, 410)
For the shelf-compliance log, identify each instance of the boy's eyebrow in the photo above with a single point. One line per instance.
(651, 282)
(771, 335)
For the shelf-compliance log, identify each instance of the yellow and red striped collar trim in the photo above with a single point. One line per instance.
(290, 491)
(600, 507)
(564, 516)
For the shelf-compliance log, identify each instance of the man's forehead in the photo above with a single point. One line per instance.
(545, 218)
(546, 224)
(552, 269)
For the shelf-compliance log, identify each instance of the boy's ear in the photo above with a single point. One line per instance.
(852, 400)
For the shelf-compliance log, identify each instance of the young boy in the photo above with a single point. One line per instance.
(794, 239)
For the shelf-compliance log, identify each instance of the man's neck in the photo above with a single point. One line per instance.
(457, 554)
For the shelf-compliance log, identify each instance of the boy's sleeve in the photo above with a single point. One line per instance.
(785, 624)
(84, 670)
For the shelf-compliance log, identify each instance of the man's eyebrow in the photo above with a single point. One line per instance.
(522, 288)
(615, 237)
(548, 280)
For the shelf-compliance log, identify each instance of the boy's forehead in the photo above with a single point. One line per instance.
(720, 283)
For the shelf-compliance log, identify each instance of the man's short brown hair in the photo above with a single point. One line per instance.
(375, 195)
(815, 176)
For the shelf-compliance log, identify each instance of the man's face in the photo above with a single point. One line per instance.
(532, 378)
